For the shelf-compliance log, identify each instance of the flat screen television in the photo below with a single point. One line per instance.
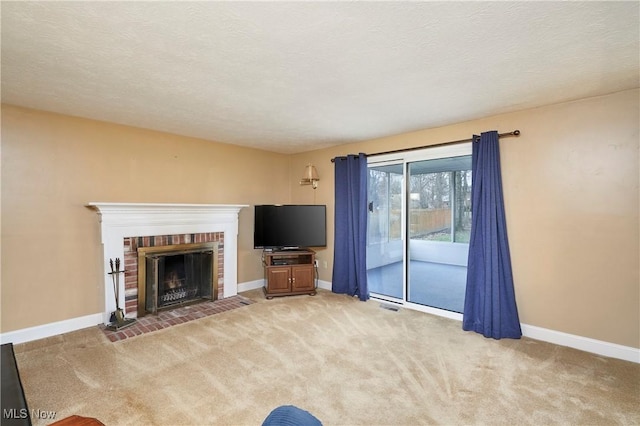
(282, 226)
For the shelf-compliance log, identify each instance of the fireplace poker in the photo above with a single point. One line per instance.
(113, 278)
(117, 292)
(119, 311)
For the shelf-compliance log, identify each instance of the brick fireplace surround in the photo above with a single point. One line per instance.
(127, 226)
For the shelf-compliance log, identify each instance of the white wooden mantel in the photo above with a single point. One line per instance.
(121, 220)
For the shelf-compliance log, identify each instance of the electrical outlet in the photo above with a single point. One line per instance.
(315, 263)
(324, 264)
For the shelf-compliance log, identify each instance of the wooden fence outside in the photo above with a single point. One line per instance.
(421, 221)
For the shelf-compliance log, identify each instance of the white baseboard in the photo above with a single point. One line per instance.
(52, 329)
(586, 344)
(251, 285)
(325, 285)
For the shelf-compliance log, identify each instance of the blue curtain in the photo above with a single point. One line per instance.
(350, 242)
(490, 303)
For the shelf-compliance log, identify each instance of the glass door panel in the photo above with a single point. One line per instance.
(385, 251)
(439, 222)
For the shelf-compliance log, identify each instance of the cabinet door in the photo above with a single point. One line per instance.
(278, 280)
(302, 278)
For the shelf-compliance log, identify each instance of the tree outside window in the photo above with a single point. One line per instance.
(440, 203)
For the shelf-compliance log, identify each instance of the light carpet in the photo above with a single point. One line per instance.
(345, 361)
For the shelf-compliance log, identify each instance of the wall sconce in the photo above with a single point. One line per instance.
(310, 176)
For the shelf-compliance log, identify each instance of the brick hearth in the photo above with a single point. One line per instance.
(176, 316)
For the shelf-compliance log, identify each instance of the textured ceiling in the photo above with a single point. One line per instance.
(296, 76)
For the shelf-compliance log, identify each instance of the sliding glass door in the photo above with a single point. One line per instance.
(385, 252)
(439, 228)
(419, 227)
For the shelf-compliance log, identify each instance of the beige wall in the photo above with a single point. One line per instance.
(571, 194)
(53, 165)
(570, 182)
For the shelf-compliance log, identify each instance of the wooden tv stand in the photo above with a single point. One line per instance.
(289, 272)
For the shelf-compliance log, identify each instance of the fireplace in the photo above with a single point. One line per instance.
(140, 251)
(127, 227)
(174, 275)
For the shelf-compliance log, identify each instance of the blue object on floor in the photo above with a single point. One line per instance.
(289, 415)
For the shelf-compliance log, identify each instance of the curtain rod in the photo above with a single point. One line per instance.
(514, 133)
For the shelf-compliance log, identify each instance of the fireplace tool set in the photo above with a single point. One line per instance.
(118, 321)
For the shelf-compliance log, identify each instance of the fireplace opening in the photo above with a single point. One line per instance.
(176, 275)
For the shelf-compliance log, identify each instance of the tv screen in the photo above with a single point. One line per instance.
(290, 226)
